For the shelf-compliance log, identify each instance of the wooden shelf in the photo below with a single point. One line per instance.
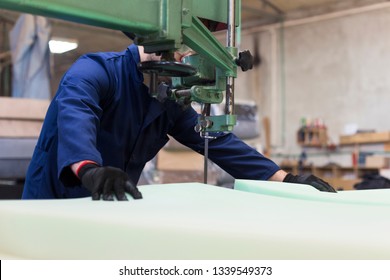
(315, 137)
(365, 138)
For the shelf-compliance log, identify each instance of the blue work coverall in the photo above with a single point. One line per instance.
(103, 112)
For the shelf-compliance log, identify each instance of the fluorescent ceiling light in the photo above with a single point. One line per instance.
(61, 45)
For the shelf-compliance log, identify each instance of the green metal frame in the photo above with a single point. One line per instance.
(161, 24)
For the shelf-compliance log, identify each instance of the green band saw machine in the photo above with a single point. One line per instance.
(163, 27)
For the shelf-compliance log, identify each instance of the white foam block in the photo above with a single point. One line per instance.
(195, 221)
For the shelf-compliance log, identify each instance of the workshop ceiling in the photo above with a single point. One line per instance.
(255, 12)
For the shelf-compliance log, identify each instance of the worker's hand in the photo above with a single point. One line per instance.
(309, 180)
(107, 182)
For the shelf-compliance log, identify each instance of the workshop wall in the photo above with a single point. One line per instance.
(334, 68)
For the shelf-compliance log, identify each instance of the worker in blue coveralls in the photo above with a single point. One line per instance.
(103, 126)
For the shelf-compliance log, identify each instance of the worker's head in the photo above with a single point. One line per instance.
(178, 55)
(143, 56)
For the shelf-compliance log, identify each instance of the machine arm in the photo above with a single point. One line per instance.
(158, 24)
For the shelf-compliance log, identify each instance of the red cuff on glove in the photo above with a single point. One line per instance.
(84, 162)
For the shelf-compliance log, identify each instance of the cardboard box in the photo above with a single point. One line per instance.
(377, 161)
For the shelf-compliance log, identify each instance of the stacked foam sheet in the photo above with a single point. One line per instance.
(197, 221)
(15, 156)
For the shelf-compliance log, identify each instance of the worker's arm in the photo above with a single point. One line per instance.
(226, 150)
(82, 98)
(236, 157)
(105, 182)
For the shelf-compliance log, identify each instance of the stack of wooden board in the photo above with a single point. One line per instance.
(20, 124)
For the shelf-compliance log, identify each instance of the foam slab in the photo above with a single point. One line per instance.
(196, 221)
(374, 197)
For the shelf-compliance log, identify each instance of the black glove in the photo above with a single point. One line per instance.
(107, 181)
(309, 180)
